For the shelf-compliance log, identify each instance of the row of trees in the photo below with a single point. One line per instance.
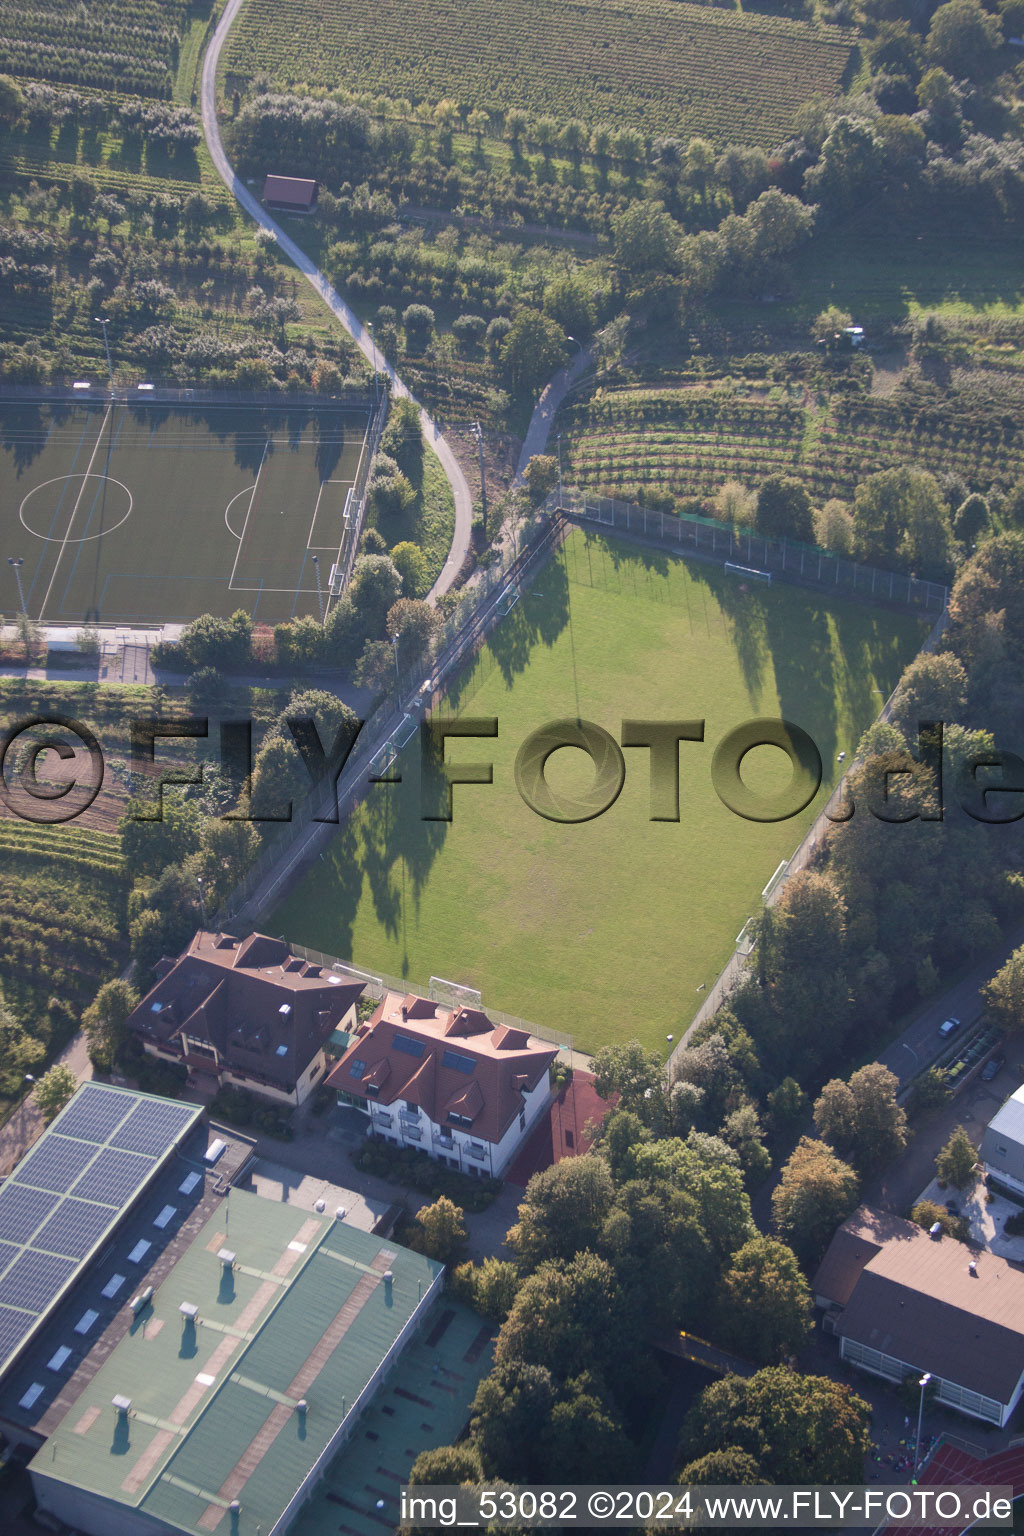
(900, 519)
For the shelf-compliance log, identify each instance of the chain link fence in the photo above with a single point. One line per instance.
(417, 689)
(160, 394)
(793, 561)
(810, 847)
(378, 983)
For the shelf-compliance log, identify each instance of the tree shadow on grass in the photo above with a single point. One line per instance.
(397, 844)
(23, 432)
(745, 610)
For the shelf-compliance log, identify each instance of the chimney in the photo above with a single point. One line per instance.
(972, 1268)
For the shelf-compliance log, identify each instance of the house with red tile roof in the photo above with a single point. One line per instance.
(246, 1012)
(446, 1080)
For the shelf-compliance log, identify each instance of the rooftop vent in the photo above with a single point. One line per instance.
(340, 1213)
(972, 1268)
(321, 1205)
(189, 1311)
(227, 1258)
(302, 1406)
(121, 1404)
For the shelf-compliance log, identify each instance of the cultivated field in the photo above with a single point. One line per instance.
(657, 65)
(606, 928)
(689, 438)
(62, 897)
(148, 514)
(125, 45)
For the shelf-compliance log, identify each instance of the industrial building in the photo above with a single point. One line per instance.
(201, 1354)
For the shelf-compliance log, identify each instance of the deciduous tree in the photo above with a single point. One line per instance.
(816, 1193)
(956, 1162)
(54, 1089)
(765, 1305)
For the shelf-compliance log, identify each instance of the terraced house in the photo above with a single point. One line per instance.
(446, 1080)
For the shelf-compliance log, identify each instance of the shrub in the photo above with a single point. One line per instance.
(408, 1165)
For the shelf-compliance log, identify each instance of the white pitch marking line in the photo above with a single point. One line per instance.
(248, 512)
(312, 525)
(74, 510)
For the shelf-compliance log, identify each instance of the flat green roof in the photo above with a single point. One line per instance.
(304, 1314)
(424, 1405)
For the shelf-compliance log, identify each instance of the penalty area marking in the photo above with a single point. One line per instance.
(50, 538)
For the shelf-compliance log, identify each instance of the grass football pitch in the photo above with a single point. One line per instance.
(606, 928)
(131, 513)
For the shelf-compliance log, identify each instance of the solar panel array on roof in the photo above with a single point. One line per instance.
(150, 1127)
(73, 1228)
(71, 1189)
(95, 1118)
(23, 1211)
(57, 1163)
(111, 1176)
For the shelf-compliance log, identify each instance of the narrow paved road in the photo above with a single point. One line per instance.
(554, 392)
(349, 319)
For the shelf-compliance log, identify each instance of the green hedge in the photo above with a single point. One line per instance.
(407, 1165)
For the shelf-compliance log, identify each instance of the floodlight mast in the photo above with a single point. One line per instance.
(918, 1458)
(319, 588)
(478, 434)
(16, 562)
(104, 321)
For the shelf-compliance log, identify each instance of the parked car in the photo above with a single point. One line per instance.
(946, 1029)
(992, 1068)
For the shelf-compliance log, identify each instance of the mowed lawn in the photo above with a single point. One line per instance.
(604, 929)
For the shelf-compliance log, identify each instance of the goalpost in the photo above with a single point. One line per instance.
(748, 572)
(452, 994)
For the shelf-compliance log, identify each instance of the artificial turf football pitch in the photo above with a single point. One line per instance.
(151, 513)
(604, 929)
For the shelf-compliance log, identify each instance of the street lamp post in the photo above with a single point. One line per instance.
(373, 349)
(16, 562)
(559, 471)
(319, 589)
(104, 322)
(398, 679)
(924, 1382)
(28, 1081)
(478, 434)
(202, 898)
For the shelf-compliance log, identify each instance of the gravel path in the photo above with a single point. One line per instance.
(347, 316)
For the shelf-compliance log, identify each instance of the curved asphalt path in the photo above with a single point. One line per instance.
(554, 392)
(349, 319)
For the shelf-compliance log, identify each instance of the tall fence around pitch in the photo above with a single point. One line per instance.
(355, 512)
(378, 983)
(289, 845)
(705, 536)
(812, 844)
